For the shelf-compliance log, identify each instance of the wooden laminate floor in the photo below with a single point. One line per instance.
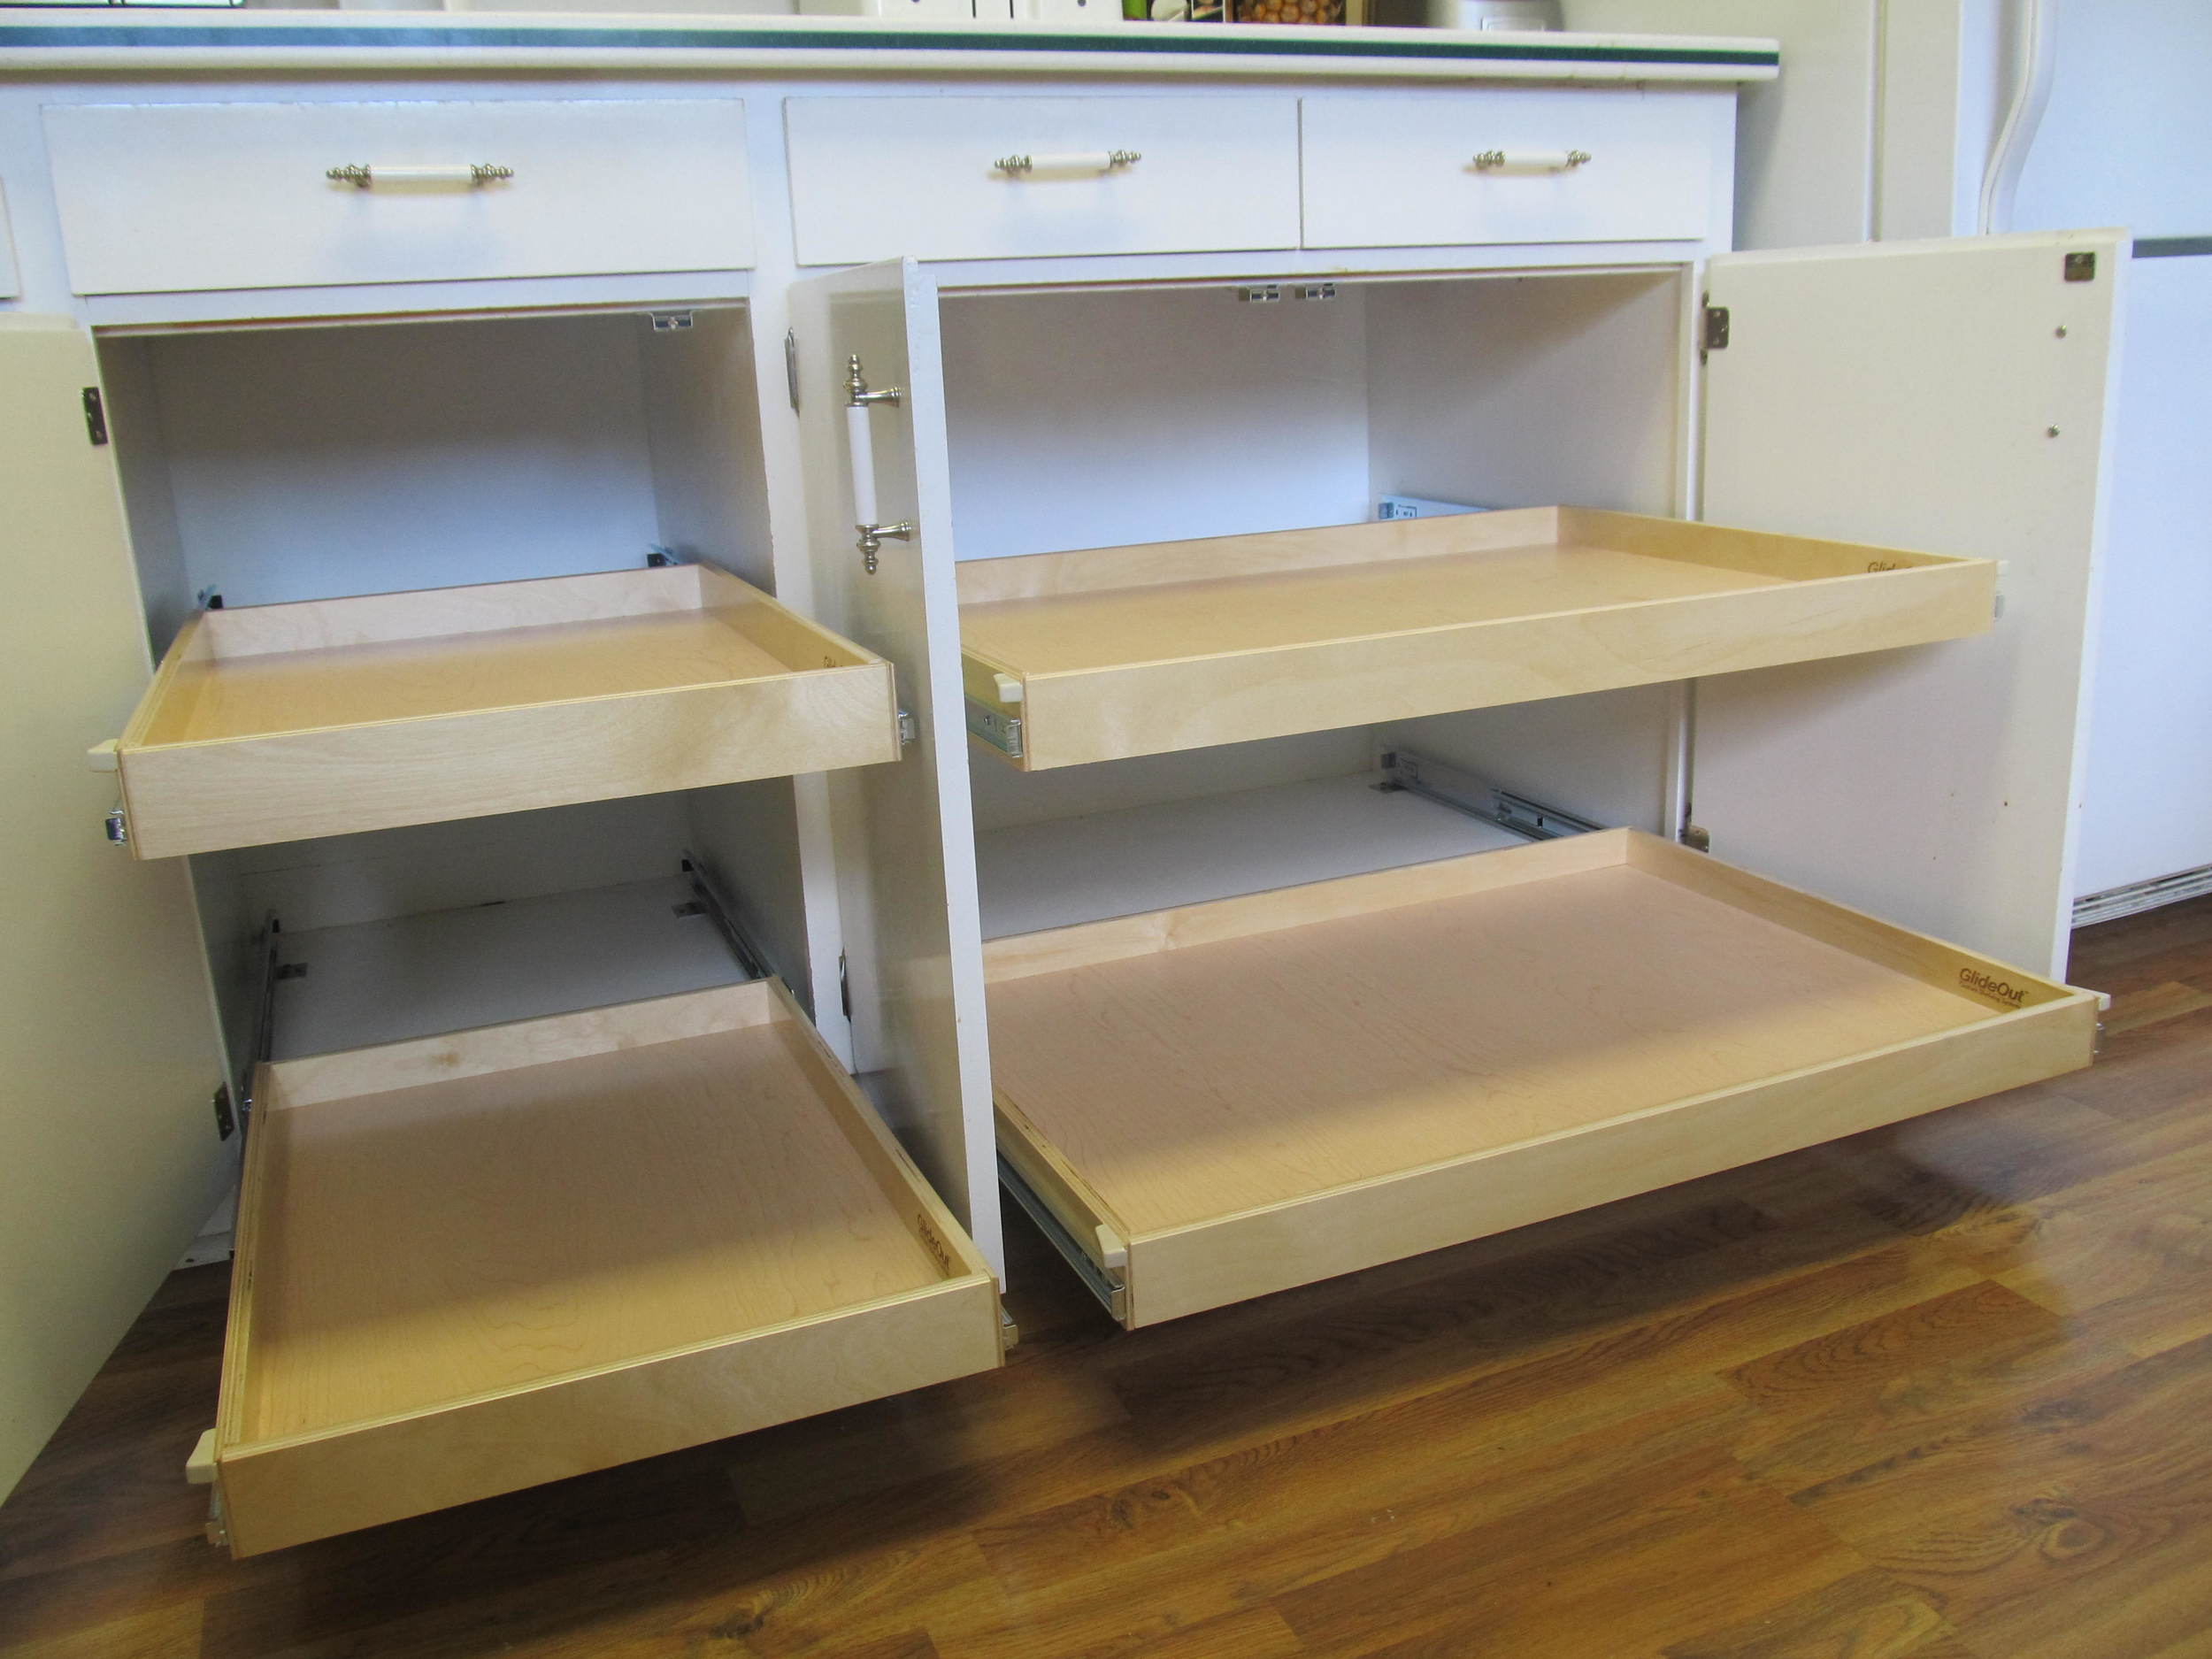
(1941, 1392)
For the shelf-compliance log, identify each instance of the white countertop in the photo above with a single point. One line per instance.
(106, 40)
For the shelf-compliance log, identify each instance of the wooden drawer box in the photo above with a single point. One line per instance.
(1097, 654)
(1228, 1099)
(159, 198)
(472, 1264)
(275, 723)
(881, 177)
(1502, 168)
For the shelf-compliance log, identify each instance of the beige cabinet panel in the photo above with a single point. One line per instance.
(112, 1159)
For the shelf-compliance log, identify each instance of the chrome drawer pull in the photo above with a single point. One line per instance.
(1086, 161)
(1531, 160)
(473, 175)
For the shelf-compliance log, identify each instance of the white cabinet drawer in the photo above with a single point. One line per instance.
(161, 198)
(879, 178)
(1496, 167)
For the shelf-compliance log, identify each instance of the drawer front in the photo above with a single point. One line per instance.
(1186, 1272)
(880, 177)
(163, 198)
(1502, 167)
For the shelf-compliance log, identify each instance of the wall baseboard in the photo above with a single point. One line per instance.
(2139, 896)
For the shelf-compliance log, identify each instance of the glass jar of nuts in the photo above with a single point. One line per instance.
(1287, 11)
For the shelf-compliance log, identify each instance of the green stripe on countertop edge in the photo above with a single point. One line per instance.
(2170, 247)
(1180, 41)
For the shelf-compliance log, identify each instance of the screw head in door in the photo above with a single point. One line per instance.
(2081, 267)
(2050, 431)
(2060, 331)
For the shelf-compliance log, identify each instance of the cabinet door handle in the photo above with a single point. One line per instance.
(473, 174)
(1530, 160)
(861, 449)
(1025, 166)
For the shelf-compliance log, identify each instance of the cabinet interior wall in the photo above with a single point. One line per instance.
(279, 464)
(1102, 417)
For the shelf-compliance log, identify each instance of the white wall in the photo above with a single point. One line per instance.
(2127, 136)
(2147, 807)
(2125, 140)
(1804, 142)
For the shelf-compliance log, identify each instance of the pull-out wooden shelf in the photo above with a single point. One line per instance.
(275, 723)
(1136, 651)
(470, 1263)
(1232, 1098)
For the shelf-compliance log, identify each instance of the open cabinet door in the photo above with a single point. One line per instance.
(109, 1154)
(903, 837)
(1951, 397)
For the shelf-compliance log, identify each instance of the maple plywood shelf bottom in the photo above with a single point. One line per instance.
(278, 723)
(1110, 652)
(472, 1264)
(1232, 1098)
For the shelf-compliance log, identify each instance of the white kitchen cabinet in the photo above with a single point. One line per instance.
(1739, 593)
(494, 877)
(1150, 717)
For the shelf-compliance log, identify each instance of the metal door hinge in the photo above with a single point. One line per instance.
(1697, 838)
(225, 1120)
(1714, 334)
(96, 416)
(119, 827)
(1276, 293)
(909, 729)
(2081, 267)
(844, 987)
(670, 322)
(791, 367)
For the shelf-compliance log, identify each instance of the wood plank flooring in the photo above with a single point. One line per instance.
(1940, 1392)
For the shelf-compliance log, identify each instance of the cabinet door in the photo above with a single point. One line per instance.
(112, 1159)
(903, 837)
(1954, 397)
